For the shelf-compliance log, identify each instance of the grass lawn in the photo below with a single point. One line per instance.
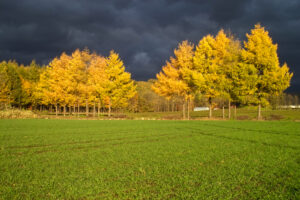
(89, 159)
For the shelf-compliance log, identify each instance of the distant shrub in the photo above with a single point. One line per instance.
(17, 114)
(170, 117)
(120, 116)
(243, 117)
(275, 117)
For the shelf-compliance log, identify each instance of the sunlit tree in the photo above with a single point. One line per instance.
(96, 78)
(172, 81)
(272, 78)
(118, 86)
(210, 79)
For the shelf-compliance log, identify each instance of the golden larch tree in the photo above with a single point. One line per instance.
(210, 77)
(118, 85)
(272, 79)
(96, 77)
(172, 81)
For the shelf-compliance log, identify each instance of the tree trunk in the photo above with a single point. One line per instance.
(188, 109)
(210, 107)
(70, 110)
(259, 112)
(86, 107)
(98, 108)
(229, 109)
(56, 109)
(173, 105)
(94, 113)
(223, 112)
(64, 110)
(234, 111)
(183, 110)
(109, 107)
(78, 108)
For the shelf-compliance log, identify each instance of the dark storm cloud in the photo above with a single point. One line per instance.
(144, 33)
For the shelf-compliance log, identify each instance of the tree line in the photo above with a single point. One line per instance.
(219, 70)
(220, 67)
(82, 79)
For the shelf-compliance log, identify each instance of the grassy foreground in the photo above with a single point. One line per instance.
(86, 159)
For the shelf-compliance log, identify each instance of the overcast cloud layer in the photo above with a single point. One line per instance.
(144, 33)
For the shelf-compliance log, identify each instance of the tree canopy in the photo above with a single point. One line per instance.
(220, 67)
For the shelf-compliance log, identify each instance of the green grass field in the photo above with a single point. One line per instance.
(89, 159)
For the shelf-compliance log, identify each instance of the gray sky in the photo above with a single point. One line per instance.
(143, 32)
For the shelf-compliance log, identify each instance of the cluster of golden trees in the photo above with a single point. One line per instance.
(220, 67)
(16, 82)
(76, 80)
(84, 78)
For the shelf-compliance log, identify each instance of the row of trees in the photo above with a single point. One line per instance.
(148, 101)
(76, 80)
(16, 83)
(219, 67)
(20, 87)
(85, 78)
(219, 70)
